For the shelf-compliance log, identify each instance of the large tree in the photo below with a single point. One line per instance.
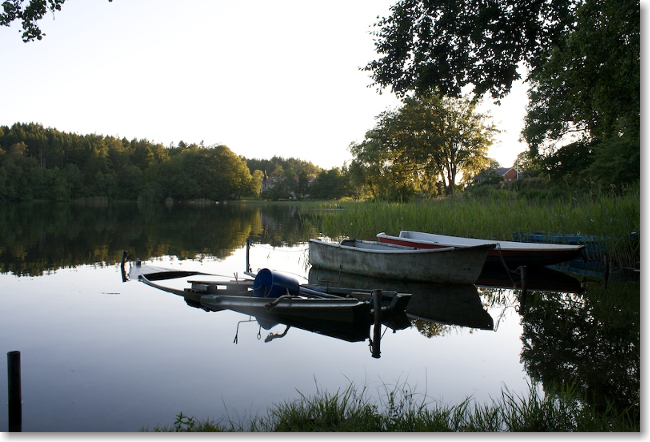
(427, 140)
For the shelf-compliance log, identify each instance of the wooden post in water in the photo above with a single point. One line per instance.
(14, 392)
(248, 249)
(376, 299)
(524, 283)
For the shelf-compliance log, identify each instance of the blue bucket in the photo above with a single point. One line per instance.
(272, 285)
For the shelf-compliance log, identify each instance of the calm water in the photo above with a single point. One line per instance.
(99, 354)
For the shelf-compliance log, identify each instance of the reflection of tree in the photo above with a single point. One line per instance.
(429, 329)
(38, 238)
(591, 340)
(281, 224)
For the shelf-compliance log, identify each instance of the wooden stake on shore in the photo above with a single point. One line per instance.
(14, 392)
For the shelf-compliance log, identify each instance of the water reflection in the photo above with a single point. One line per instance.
(39, 238)
(536, 278)
(576, 333)
(564, 329)
(340, 313)
(358, 331)
(447, 304)
(590, 340)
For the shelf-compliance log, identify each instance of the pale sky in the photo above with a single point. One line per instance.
(264, 78)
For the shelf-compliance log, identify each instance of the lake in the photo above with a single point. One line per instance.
(100, 354)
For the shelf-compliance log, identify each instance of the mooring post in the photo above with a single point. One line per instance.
(524, 282)
(248, 250)
(606, 270)
(376, 299)
(14, 392)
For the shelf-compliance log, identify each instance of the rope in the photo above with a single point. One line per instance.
(508, 269)
(503, 261)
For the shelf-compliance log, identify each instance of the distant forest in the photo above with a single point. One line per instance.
(38, 163)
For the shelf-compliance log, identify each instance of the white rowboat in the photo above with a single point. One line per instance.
(371, 258)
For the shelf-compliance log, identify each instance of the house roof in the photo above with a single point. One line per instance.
(500, 170)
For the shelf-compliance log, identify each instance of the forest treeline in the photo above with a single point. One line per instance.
(38, 163)
(44, 163)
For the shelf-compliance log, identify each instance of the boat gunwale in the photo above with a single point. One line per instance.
(399, 249)
(504, 246)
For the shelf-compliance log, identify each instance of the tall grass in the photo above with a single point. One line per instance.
(497, 216)
(400, 410)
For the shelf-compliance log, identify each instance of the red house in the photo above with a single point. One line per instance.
(508, 174)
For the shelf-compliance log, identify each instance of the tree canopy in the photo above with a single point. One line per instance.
(28, 15)
(425, 142)
(582, 59)
(427, 45)
(44, 163)
(589, 84)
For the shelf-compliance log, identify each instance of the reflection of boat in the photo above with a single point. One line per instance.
(342, 313)
(452, 304)
(513, 253)
(371, 258)
(357, 331)
(537, 278)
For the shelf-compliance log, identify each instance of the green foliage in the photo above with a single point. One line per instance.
(70, 166)
(400, 409)
(331, 184)
(615, 164)
(582, 59)
(425, 46)
(425, 141)
(590, 80)
(281, 178)
(29, 15)
(497, 214)
(490, 178)
(39, 163)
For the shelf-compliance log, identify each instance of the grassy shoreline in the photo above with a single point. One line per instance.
(401, 410)
(498, 217)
